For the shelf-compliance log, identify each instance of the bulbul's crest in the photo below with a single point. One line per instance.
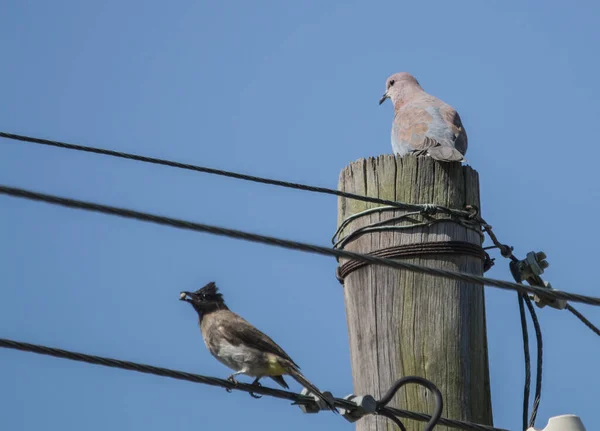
(210, 292)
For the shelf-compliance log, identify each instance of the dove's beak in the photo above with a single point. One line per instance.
(385, 96)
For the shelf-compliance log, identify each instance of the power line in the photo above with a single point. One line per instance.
(539, 355)
(422, 209)
(443, 421)
(470, 213)
(529, 421)
(157, 371)
(294, 245)
(230, 174)
(527, 358)
(581, 317)
(213, 381)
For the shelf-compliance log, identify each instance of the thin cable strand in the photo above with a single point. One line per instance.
(294, 245)
(467, 222)
(581, 317)
(540, 355)
(229, 174)
(213, 381)
(527, 360)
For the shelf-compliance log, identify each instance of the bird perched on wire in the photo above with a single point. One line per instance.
(240, 346)
(423, 124)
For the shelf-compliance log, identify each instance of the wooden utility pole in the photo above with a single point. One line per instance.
(402, 323)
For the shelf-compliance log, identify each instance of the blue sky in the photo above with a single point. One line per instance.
(287, 90)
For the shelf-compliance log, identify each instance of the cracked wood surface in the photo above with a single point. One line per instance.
(401, 323)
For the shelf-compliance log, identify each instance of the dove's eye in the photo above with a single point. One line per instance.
(392, 82)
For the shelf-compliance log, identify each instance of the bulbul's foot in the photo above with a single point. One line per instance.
(232, 380)
(256, 383)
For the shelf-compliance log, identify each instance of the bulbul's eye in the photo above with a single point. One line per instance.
(392, 82)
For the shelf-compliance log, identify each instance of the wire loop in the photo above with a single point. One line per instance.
(439, 400)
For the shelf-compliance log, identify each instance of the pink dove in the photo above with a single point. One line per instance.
(423, 124)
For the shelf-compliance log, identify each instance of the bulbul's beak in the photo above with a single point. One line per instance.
(385, 96)
(187, 296)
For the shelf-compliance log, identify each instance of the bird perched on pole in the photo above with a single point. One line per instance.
(423, 124)
(240, 346)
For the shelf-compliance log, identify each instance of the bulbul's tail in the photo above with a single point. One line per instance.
(297, 375)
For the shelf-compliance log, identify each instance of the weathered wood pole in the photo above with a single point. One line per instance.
(402, 323)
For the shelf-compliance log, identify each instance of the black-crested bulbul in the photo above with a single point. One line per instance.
(239, 345)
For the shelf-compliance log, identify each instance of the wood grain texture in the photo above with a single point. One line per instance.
(401, 323)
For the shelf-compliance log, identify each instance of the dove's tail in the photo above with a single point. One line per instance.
(297, 375)
(445, 154)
